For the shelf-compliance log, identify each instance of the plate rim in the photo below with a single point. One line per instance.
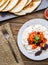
(18, 41)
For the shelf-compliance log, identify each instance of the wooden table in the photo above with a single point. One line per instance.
(16, 24)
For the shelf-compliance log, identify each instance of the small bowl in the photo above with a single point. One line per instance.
(46, 13)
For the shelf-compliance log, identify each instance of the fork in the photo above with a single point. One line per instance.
(6, 35)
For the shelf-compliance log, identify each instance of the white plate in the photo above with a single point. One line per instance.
(19, 39)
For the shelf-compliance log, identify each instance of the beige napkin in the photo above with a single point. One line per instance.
(5, 52)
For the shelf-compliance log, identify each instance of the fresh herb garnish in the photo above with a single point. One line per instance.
(37, 38)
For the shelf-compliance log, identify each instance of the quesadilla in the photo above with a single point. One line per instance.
(2, 7)
(11, 5)
(30, 8)
(2, 2)
(29, 1)
(19, 6)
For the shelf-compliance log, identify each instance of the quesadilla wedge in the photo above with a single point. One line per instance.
(29, 1)
(30, 8)
(2, 2)
(19, 6)
(11, 5)
(2, 7)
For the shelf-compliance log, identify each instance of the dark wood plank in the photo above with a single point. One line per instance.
(16, 24)
(35, 63)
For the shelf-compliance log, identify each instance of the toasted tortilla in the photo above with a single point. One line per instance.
(30, 8)
(29, 1)
(11, 5)
(2, 7)
(19, 6)
(2, 2)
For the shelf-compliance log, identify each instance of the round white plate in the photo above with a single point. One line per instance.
(19, 39)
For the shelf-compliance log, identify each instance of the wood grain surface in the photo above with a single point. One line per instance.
(15, 26)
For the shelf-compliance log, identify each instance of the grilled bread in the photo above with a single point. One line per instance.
(30, 8)
(5, 4)
(2, 2)
(11, 5)
(19, 6)
(29, 1)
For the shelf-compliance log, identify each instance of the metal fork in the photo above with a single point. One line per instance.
(6, 35)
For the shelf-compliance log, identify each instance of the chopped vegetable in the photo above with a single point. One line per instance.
(36, 39)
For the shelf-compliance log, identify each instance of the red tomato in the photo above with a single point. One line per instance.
(34, 46)
(46, 13)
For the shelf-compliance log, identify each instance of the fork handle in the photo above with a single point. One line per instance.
(15, 57)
